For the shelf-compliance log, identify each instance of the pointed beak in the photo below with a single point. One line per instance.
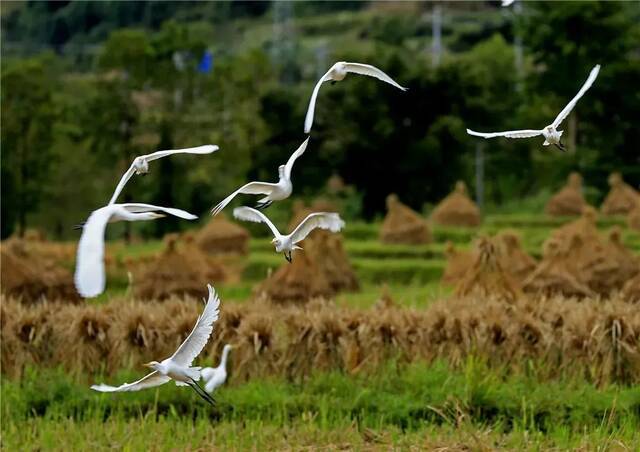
(158, 215)
(149, 365)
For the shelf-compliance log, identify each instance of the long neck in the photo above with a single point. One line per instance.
(281, 172)
(223, 360)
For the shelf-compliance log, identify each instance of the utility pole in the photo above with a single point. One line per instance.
(436, 35)
(282, 50)
(480, 175)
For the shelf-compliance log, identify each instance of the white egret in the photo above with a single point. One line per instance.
(287, 243)
(337, 73)
(507, 2)
(90, 276)
(275, 192)
(216, 376)
(178, 366)
(550, 132)
(140, 164)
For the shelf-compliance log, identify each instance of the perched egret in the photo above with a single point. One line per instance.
(178, 366)
(216, 376)
(287, 243)
(275, 192)
(90, 276)
(550, 132)
(140, 164)
(338, 72)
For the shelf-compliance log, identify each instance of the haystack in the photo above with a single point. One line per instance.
(631, 290)
(513, 259)
(585, 227)
(569, 200)
(221, 236)
(622, 264)
(558, 272)
(458, 263)
(457, 209)
(298, 281)
(633, 220)
(25, 275)
(622, 198)
(486, 276)
(403, 225)
(327, 252)
(179, 270)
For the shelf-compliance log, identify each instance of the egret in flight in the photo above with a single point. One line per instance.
(287, 243)
(338, 72)
(178, 366)
(140, 164)
(275, 192)
(90, 275)
(216, 376)
(550, 132)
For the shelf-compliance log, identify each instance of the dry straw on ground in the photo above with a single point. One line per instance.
(457, 209)
(403, 225)
(181, 269)
(32, 274)
(622, 198)
(593, 338)
(633, 219)
(220, 236)
(569, 200)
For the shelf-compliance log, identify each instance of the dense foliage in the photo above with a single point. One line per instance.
(86, 86)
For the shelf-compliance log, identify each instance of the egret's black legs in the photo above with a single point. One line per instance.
(203, 393)
(79, 225)
(287, 256)
(561, 146)
(263, 205)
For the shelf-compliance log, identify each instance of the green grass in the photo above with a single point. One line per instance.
(402, 404)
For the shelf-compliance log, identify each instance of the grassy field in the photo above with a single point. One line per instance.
(421, 405)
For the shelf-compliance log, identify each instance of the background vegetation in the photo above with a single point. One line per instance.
(89, 85)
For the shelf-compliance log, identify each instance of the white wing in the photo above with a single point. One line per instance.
(199, 336)
(509, 134)
(371, 71)
(140, 208)
(507, 2)
(322, 220)
(89, 277)
(252, 188)
(565, 112)
(123, 181)
(206, 149)
(149, 381)
(294, 156)
(308, 120)
(248, 214)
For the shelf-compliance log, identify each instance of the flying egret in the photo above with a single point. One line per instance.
(140, 164)
(338, 72)
(507, 2)
(90, 276)
(550, 132)
(287, 243)
(216, 376)
(178, 366)
(275, 192)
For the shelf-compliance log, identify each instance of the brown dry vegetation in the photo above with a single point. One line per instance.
(596, 339)
(221, 236)
(621, 199)
(569, 200)
(403, 225)
(457, 209)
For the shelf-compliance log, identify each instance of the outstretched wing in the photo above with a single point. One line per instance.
(372, 71)
(308, 120)
(252, 188)
(294, 156)
(139, 208)
(149, 381)
(245, 213)
(199, 336)
(508, 134)
(321, 220)
(123, 181)
(89, 276)
(206, 149)
(566, 110)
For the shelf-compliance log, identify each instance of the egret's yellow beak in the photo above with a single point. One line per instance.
(149, 365)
